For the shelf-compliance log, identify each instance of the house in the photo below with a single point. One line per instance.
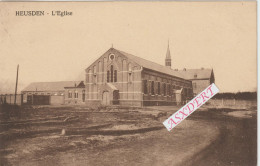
(46, 93)
(201, 78)
(75, 94)
(119, 78)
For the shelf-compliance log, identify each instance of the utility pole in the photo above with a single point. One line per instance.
(16, 85)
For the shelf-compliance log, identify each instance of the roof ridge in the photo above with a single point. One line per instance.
(170, 71)
(145, 59)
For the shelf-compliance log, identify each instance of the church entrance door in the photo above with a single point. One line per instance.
(105, 98)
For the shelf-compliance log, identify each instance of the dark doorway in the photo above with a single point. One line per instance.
(41, 100)
(115, 97)
(29, 99)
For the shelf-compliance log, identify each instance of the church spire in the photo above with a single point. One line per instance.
(168, 59)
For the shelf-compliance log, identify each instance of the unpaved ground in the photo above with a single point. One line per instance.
(119, 136)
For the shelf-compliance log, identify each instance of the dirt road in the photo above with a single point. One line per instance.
(126, 137)
(236, 144)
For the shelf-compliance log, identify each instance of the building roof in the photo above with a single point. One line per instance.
(50, 86)
(152, 65)
(192, 74)
(79, 84)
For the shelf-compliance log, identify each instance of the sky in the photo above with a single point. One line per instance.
(218, 35)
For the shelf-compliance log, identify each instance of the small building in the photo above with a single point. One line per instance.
(201, 78)
(119, 78)
(46, 93)
(75, 94)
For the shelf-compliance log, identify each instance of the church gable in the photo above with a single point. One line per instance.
(110, 65)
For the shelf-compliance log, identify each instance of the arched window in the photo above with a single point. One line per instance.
(115, 76)
(164, 89)
(112, 73)
(159, 88)
(152, 87)
(170, 89)
(83, 95)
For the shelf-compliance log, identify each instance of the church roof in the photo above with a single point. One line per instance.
(50, 86)
(192, 74)
(151, 65)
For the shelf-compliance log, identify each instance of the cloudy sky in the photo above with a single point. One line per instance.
(218, 35)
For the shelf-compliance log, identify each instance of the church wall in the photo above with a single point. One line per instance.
(160, 88)
(200, 85)
(128, 80)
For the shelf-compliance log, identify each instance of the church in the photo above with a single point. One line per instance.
(119, 78)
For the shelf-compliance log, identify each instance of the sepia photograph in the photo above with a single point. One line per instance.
(124, 83)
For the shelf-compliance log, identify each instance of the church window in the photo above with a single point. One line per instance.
(170, 89)
(145, 86)
(195, 75)
(83, 95)
(152, 87)
(112, 73)
(159, 88)
(115, 76)
(111, 57)
(164, 89)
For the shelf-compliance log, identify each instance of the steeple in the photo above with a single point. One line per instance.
(168, 60)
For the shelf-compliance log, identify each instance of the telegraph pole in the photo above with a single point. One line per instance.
(16, 84)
